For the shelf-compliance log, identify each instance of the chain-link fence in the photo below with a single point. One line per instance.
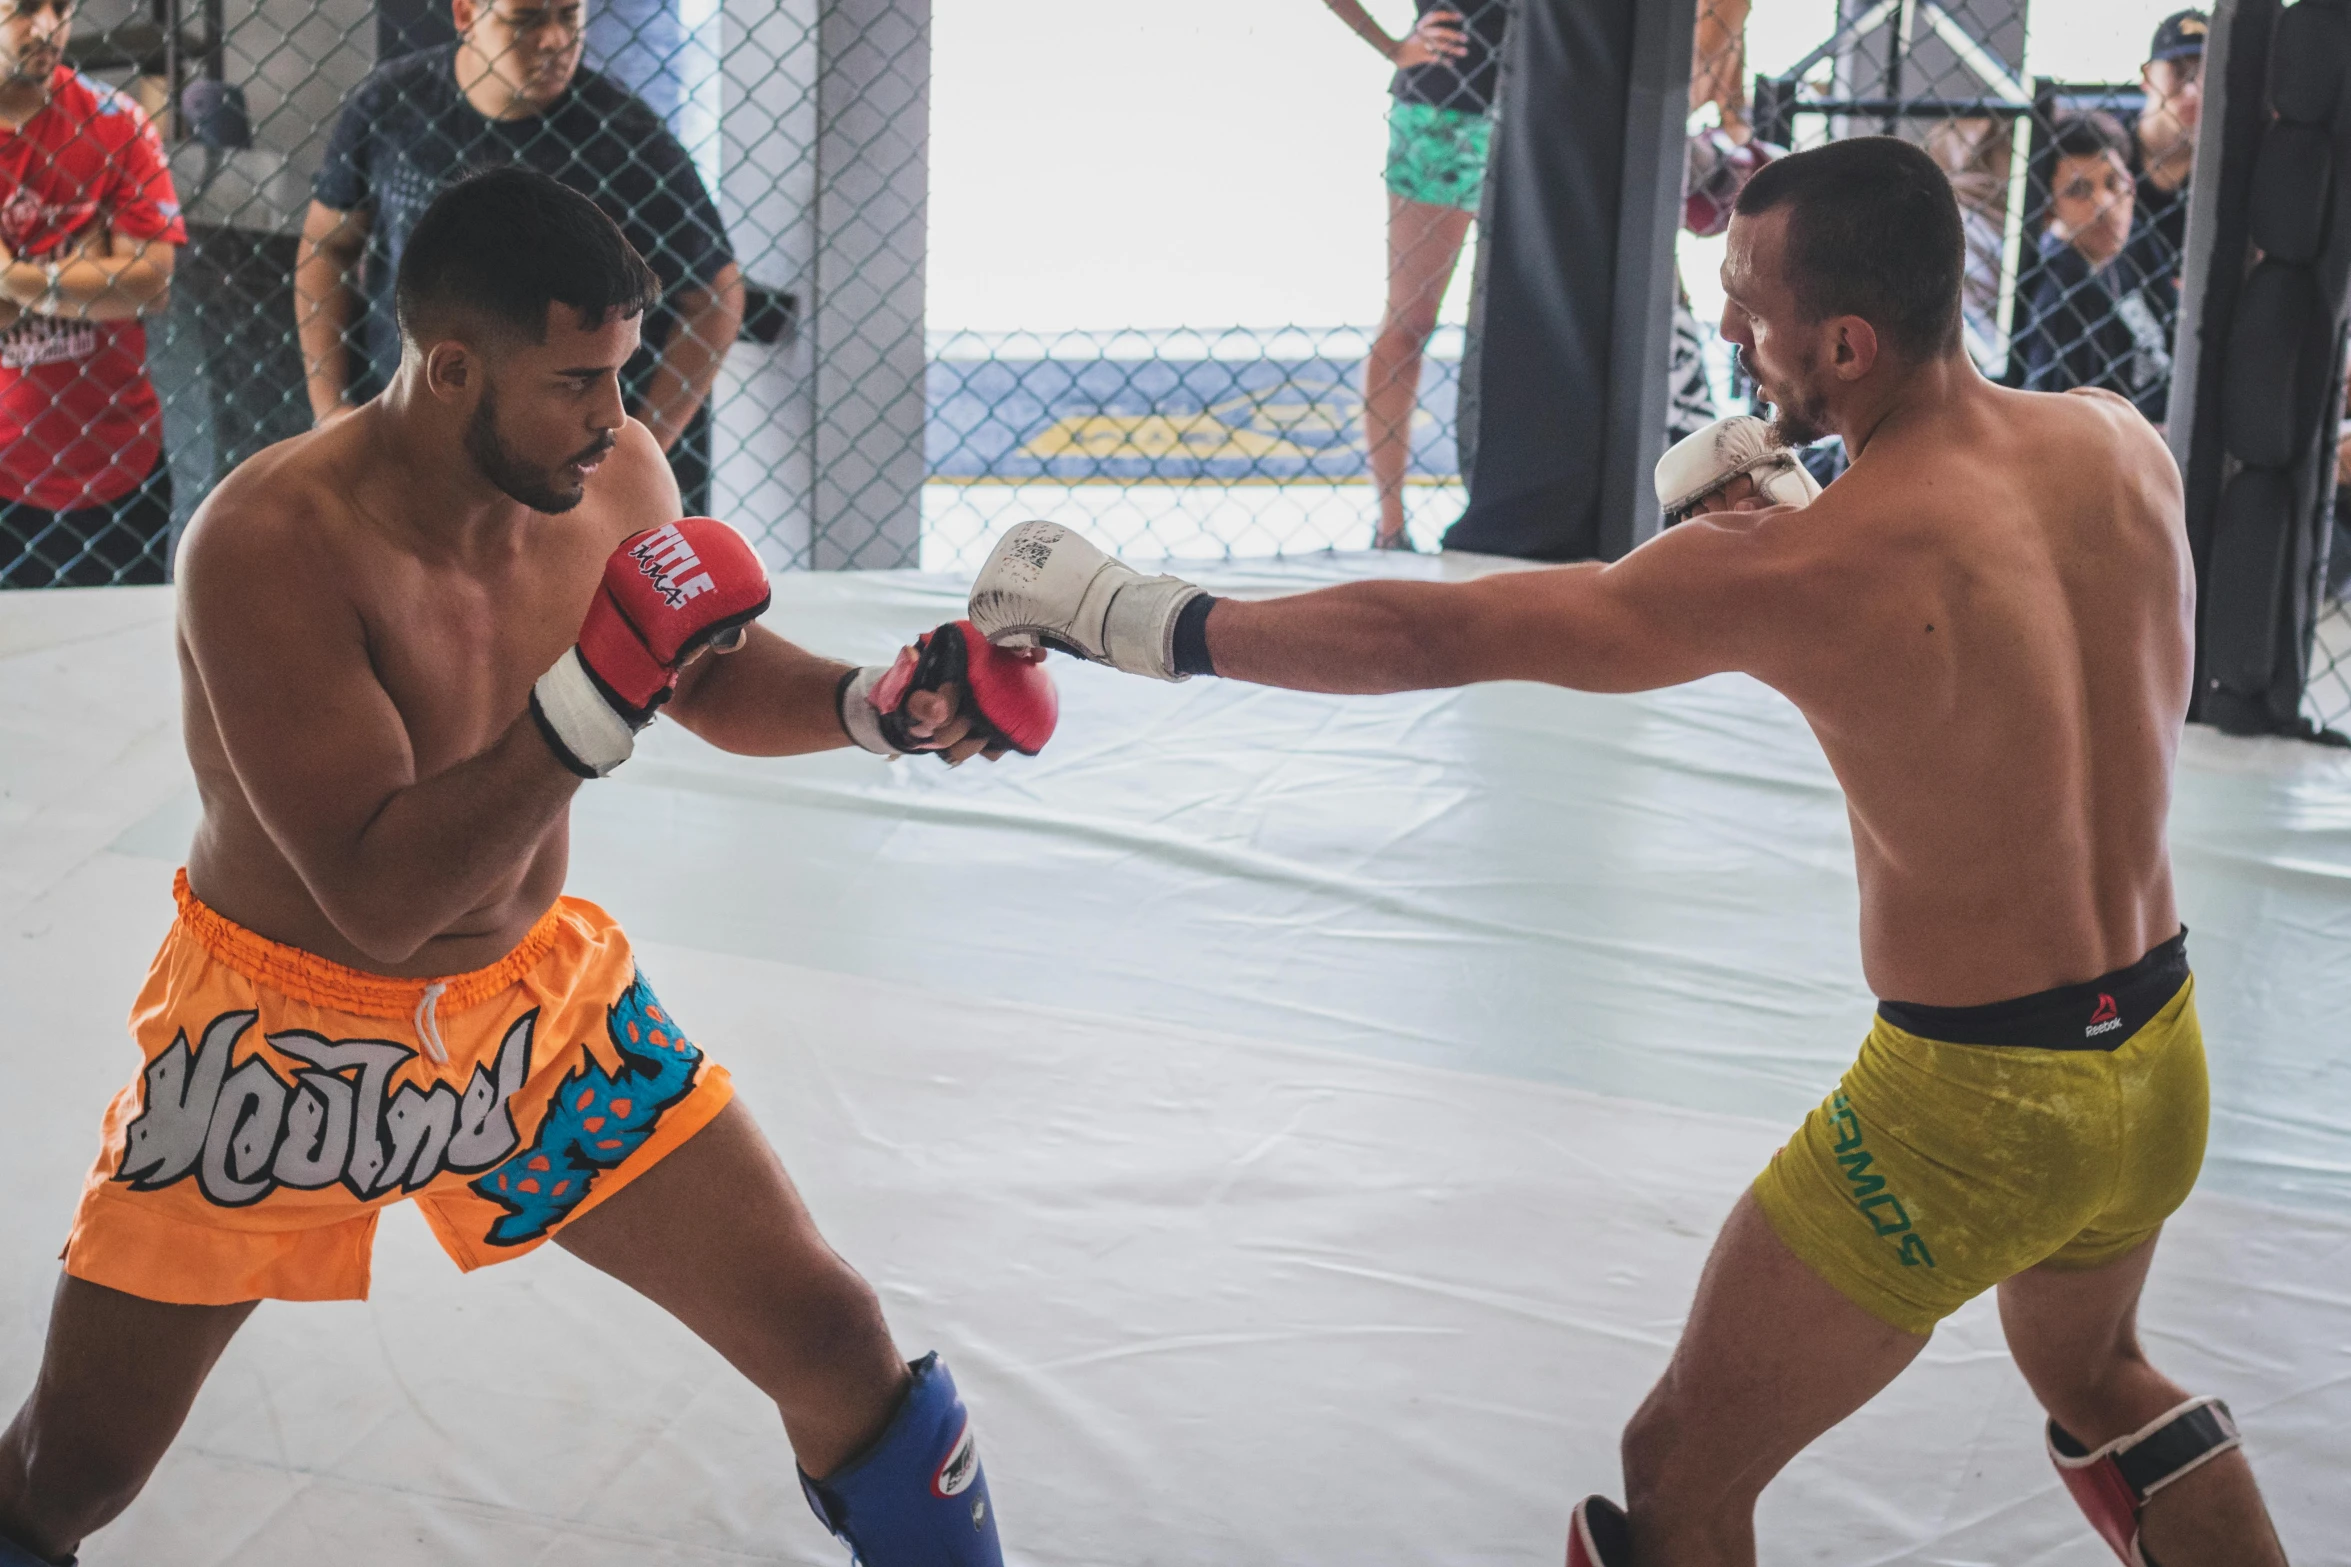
(771, 160)
(207, 201)
(1182, 443)
(2073, 194)
(2326, 700)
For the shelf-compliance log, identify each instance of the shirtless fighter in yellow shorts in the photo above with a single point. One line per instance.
(405, 640)
(1987, 621)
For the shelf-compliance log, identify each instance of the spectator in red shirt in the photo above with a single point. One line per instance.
(89, 225)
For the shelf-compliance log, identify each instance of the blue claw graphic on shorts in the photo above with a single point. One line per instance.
(595, 1120)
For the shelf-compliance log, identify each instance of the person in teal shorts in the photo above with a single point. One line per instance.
(1440, 128)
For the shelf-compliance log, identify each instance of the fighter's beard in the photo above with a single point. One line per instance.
(1795, 419)
(1795, 426)
(534, 487)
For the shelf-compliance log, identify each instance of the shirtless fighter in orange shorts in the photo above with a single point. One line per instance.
(1986, 621)
(405, 640)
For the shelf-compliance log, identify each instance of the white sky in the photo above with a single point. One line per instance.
(1109, 163)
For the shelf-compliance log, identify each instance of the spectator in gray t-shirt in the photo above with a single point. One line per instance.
(512, 90)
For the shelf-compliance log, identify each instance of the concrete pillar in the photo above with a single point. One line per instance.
(763, 405)
(865, 317)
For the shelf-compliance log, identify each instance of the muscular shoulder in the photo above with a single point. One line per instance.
(275, 526)
(2116, 412)
(1744, 590)
(2099, 430)
(635, 489)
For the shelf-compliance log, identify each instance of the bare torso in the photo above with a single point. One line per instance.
(453, 634)
(1996, 657)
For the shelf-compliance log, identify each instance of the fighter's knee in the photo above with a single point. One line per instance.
(2108, 1393)
(826, 1323)
(844, 1312)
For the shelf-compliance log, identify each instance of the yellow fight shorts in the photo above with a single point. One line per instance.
(1968, 1144)
(286, 1100)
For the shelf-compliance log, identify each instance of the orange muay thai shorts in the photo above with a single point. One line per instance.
(286, 1100)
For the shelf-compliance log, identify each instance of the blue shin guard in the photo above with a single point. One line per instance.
(917, 1497)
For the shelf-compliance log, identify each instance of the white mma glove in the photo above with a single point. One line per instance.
(1045, 586)
(1699, 465)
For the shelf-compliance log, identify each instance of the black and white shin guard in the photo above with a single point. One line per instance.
(1598, 1535)
(2112, 1483)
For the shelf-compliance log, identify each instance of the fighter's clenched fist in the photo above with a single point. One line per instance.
(1702, 472)
(1005, 699)
(1043, 586)
(667, 594)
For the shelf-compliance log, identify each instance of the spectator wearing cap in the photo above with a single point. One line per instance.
(89, 227)
(2090, 322)
(2164, 145)
(512, 89)
(2173, 81)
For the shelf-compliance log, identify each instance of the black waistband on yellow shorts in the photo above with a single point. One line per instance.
(2097, 1014)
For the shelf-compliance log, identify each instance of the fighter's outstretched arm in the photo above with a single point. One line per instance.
(1584, 626)
(1699, 599)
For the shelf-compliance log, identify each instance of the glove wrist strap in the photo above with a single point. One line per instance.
(579, 725)
(860, 720)
(1188, 648)
(1139, 627)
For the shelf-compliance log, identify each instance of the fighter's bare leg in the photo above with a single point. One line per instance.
(1771, 1357)
(1424, 241)
(2075, 1335)
(716, 1235)
(117, 1377)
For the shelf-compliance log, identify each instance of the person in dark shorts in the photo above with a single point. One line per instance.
(89, 227)
(512, 90)
(1440, 130)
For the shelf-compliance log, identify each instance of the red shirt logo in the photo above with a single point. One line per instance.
(2106, 1012)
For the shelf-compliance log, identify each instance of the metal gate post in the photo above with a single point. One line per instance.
(1649, 213)
(866, 317)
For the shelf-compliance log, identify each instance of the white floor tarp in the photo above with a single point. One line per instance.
(1299, 1121)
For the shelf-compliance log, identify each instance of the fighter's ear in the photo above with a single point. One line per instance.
(450, 368)
(1856, 347)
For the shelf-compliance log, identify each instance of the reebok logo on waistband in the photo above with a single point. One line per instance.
(2104, 1013)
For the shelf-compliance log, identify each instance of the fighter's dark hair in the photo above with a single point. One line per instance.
(500, 246)
(1874, 232)
(2088, 135)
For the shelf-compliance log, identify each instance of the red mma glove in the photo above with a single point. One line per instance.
(667, 594)
(1008, 696)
